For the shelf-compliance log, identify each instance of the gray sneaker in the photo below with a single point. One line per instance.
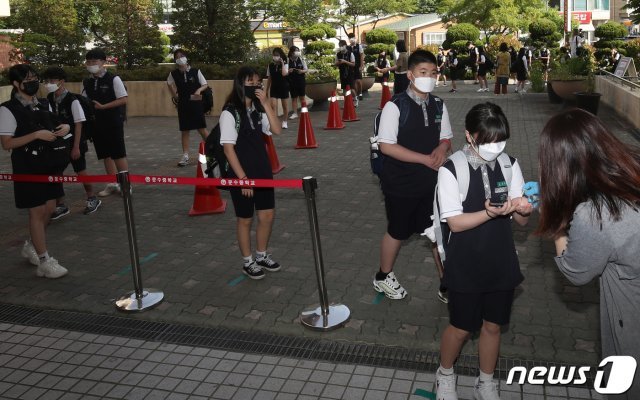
(92, 205)
(29, 252)
(184, 161)
(110, 189)
(60, 212)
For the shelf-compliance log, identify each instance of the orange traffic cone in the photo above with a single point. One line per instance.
(386, 94)
(273, 156)
(333, 120)
(349, 113)
(306, 138)
(207, 199)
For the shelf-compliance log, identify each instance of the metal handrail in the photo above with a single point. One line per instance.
(628, 82)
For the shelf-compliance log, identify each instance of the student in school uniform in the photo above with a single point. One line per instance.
(400, 81)
(442, 66)
(414, 135)
(277, 83)
(68, 109)
(455, 68)
(186, 85)
(481, 269)
(482, 70)
(109, 96)
(382, 66)
(26, 124)
(248, 159)
(297, 79)
(358, 55)
(345, 61)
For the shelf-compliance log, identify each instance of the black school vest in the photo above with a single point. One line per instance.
(345, 70)
(404, 179)
(355, 50)
(275, 73)
(250, 147)
(482, 259)
(101, 89)
(186, 82)
(63, 110)
(296, 79)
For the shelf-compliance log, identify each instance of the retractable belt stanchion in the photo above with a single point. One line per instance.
(326, 317)
(140, 299)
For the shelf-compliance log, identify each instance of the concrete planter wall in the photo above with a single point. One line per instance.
(320, 92)
(624, 100)
(566, 89)
(367, 83)
(149, 99)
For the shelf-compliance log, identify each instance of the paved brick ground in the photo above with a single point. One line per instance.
(196, 262)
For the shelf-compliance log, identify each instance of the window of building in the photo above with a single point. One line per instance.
(433, 37)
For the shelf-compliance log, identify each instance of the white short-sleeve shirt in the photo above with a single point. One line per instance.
(390, 124)
(118, 88)
(449, 193)
(8, 123)
(201, 80)
(77, 112)
(228, 132)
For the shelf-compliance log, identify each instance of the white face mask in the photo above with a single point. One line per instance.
(276, 58)
(424, 84)
(93, 69)
(491, 151)
(51, 87)
(181, 61)
(296, 53)
(343, 49)
(352, 40)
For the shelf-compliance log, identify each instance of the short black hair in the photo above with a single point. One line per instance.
(351, 35)
(489, 122)
(176, 51)
(469, 42)
(54, 73)
(421, 56)
(401, 46)
(342, 42)
(19, 72)
(96, 54)
(503, 47)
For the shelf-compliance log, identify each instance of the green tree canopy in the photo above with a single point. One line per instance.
(611, 30)
(51, 31)
(127, 30)
(213, 31)
(381, 35)
(544, 32)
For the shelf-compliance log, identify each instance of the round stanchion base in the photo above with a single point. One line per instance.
(337, 316)
(130, 303)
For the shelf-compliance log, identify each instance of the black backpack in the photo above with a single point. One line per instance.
(207, 100)
(217, 164)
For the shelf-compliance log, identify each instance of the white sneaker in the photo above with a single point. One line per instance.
(523, 91)
(284, 125)
(29, 252)
(51, 269)
(110, 189)
(356, 102)
(293, 116)
(390, 287)
(184, 161)
(480, 90)
(485, 390)
(445, 386)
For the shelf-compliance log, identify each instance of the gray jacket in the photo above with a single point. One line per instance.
(609, 250)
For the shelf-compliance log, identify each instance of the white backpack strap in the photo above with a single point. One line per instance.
(462, 172)
(506, 167)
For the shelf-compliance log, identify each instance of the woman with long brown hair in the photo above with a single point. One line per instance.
(590, 206)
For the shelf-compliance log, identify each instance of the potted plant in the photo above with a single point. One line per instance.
(569, 77)
(588, 100)
(322, 78)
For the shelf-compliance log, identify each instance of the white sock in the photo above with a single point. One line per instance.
(445, 371)
(486, 378)
(43, 257)
(247, 260)
(260, 255)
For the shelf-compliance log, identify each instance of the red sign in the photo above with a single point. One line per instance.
(583, 17)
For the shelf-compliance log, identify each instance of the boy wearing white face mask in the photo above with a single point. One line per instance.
(186, 85)
(414, 135)
(108, 94)
(68, 108)
(481, 269)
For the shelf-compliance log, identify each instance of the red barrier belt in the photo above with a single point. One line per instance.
(156, 180)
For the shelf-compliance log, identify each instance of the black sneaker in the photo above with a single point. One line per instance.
(253, 271)
(360, 97)
(60, 212)
(268, 264)
(92, 205)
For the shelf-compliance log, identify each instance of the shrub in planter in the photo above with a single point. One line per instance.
(319, 48)
(611, 30)
(536, 76)
(371, 51)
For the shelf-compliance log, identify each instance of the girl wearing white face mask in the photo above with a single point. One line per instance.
(297, 81)
(186, 85)
(278, 84)
(481, 269)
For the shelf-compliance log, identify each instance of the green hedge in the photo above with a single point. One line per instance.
(461, 32)
(156, 73)
(319, 47)
(381, 35)
(611, 30)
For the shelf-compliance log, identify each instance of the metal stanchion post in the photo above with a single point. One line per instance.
(140, 299)
(326, 317)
